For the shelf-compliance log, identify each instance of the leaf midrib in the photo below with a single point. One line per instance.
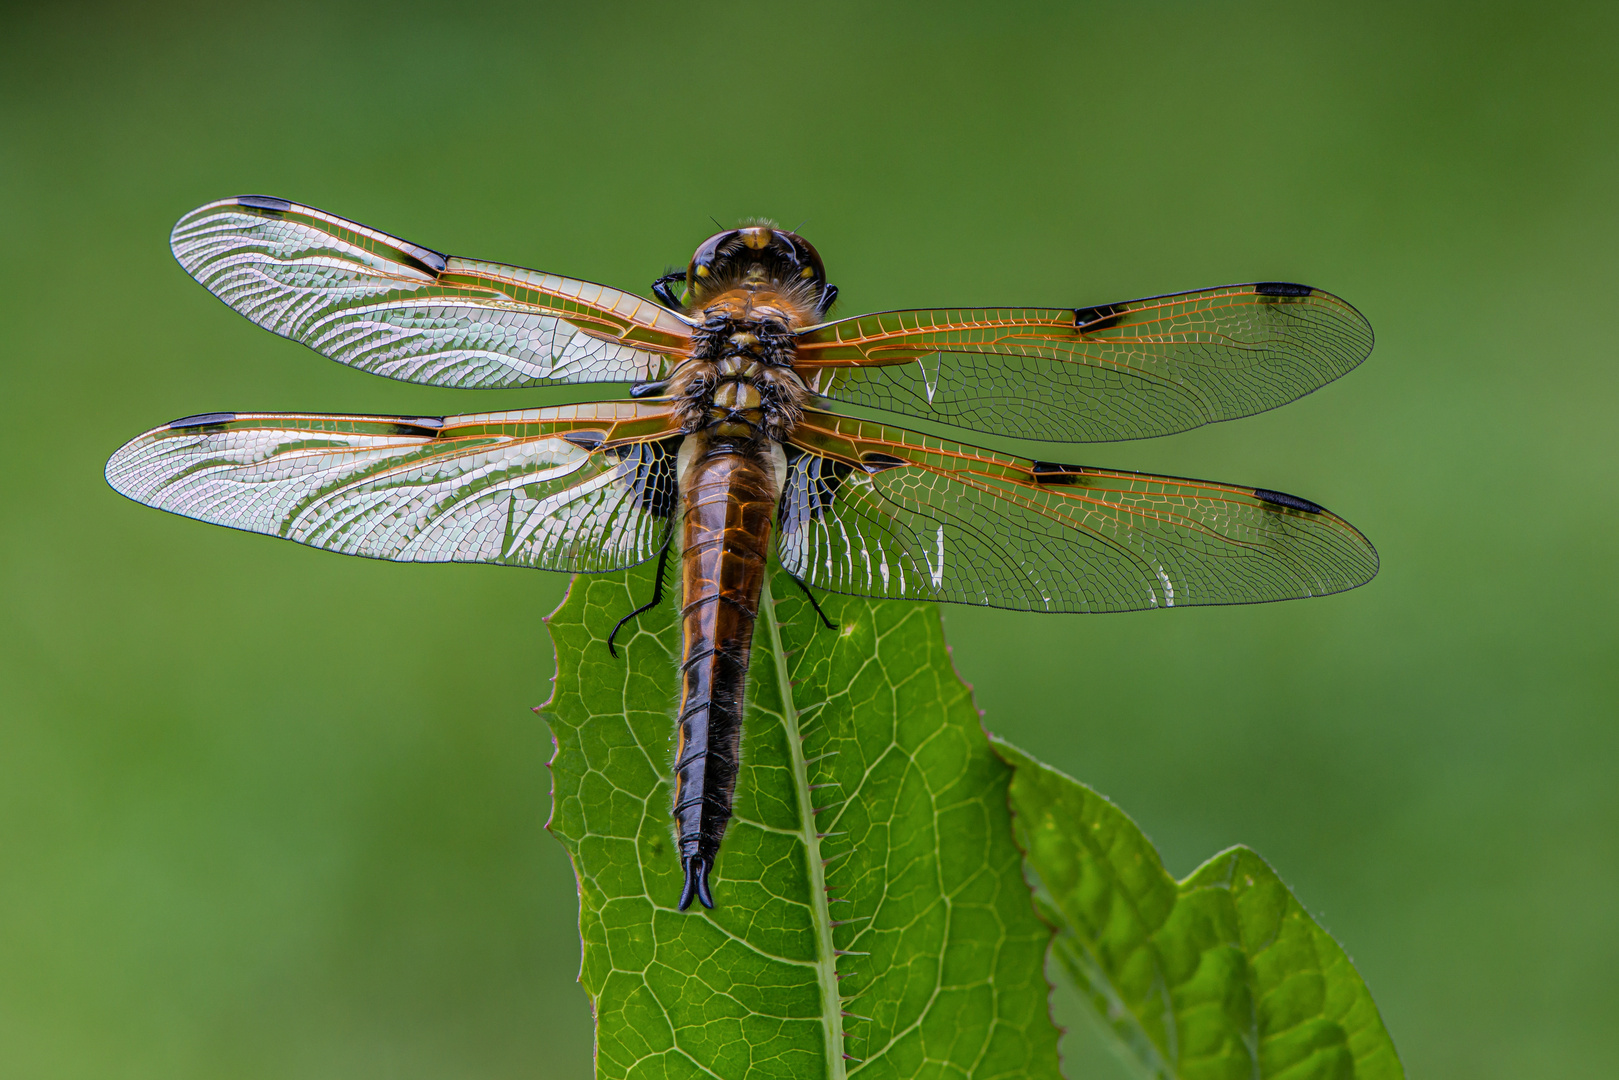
(820, 907)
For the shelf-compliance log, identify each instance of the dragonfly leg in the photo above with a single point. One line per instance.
(829, 296)
(657, 598)
(666, 295)
(830, 625)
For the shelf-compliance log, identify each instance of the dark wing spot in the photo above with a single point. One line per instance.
(874, 462)
(812, 486)
(202, 420)
(1049, 472)
(1292, 502)
(264, 202)
(648, 470)
(419, 425)
(585, 440)
(1100, 317)
(1281, 288)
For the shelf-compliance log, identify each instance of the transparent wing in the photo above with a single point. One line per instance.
(1119, 371)
(390, 307)
(579, 488)
(877, 511)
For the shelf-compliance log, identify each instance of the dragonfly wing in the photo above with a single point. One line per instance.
(579, 488)
(1128, 370)
(870, 510)
(393, 308)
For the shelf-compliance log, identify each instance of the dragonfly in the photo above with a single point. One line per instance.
(736, 444)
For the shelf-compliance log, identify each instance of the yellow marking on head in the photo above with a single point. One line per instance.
(758, 237)
(702, 271)
(807, 272)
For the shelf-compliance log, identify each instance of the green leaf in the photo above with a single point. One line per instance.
(1222, 975)
(871, 819)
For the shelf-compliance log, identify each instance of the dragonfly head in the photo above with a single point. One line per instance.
(760, 260)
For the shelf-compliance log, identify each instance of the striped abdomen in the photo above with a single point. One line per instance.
(729, 492)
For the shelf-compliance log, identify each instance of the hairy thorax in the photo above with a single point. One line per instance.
(739, 385)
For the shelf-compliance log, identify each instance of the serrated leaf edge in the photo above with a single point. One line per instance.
(1090, 977)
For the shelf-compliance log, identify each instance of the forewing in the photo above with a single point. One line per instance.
(1119, 371)
(393, 308)
(578, 488)
(871, 510)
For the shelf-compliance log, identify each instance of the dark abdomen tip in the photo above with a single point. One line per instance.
(696, 884)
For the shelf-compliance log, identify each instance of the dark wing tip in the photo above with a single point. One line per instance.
(264, 202)
(1282, 288)
(1292, 502)
(202, 420)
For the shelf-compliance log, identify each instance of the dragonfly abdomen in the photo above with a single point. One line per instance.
(729, 493)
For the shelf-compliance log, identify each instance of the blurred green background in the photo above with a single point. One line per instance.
(269, 812)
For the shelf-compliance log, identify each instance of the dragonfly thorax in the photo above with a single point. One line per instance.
(739, 383)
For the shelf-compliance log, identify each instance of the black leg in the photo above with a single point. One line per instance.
(657, 598)
(666, 295)
(830, 625)
(829, 296)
